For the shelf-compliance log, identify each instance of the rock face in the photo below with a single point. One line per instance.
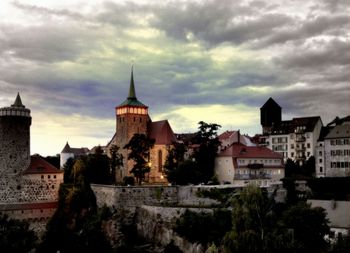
(156, 223)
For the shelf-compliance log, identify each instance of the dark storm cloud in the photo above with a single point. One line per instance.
(46, 43)
(303, 29)
(47, 11)
(329, 53)
(216, 22)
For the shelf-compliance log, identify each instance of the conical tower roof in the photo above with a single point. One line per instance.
(18, 102)
(132, 99)
(66, 149)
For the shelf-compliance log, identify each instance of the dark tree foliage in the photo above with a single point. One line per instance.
(54, 160)
(259, 225)
(15, 236)
(304, 171)
(330, 188)
(139, 151)
(209, 143)
(76, 224)
(309, 226)
(204, 228)
(186, 173)
(98, 168)
(116, 161)
(68, 171)
(175, 158)
(342, 244)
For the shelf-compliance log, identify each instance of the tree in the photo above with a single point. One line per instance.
(98, 167)
(309, 226)
(68, 170)
(174, 163)
(116, 161)
(205, 155)
(15, 235)
(251, 221)
(139, 151)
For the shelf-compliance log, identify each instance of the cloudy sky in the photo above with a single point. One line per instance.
(216, 61)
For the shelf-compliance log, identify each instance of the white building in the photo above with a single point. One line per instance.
(333, 151)
(297, 138)
(240, 164)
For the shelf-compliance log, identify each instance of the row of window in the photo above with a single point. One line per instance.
(48, 176)
(242, 161)
(258, 172)
(339, 164)
(308, 145)
(301, 154)
(279, 140)
(345, 152)
(340, 142)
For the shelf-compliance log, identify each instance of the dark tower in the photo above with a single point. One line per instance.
(270, 114)
(15, 124)
(132, 117)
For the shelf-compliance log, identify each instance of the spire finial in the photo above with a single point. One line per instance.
(18, 102)
(132, 93)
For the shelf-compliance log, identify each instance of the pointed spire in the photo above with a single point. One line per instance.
(66, 149)
(18, 102)
(132, 93)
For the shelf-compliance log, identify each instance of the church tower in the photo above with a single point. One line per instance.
(131, 118)
(15, 124)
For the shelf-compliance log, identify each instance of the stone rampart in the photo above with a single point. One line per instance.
(134, 196)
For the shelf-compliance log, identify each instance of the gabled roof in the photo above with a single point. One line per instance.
(238, 150)
(161, 132)
(270, 103)
(226, 135)
(39, 165)
(339, 131)
(324, 131)
(76, 151)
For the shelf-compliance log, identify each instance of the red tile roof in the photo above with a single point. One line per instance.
(26, 206)
(162, 133)
(242, 151)
(38, 165)
(226, 135)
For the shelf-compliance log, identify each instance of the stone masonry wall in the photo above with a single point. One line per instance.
(119, 196)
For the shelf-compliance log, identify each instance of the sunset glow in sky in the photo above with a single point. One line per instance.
(216, 61)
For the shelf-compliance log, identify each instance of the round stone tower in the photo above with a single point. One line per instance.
(15, 124)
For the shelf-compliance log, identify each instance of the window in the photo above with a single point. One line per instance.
(48, 176)
(308, 154)
(319, 153)
(292, 154)
(160, 161)
(308, 145)
(320, 160)
(321, 169)
(54, 176)
(292, 146)
(42, 176)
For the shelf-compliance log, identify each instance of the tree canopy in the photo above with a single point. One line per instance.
(139, 148)
(15, 236)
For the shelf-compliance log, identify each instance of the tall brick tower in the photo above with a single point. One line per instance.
(15, 124)
(132, 117)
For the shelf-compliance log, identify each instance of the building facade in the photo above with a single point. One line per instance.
(132, 118)
(241, 164)
(333, 151)
(295, 139)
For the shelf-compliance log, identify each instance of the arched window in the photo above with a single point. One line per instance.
(160, 161)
